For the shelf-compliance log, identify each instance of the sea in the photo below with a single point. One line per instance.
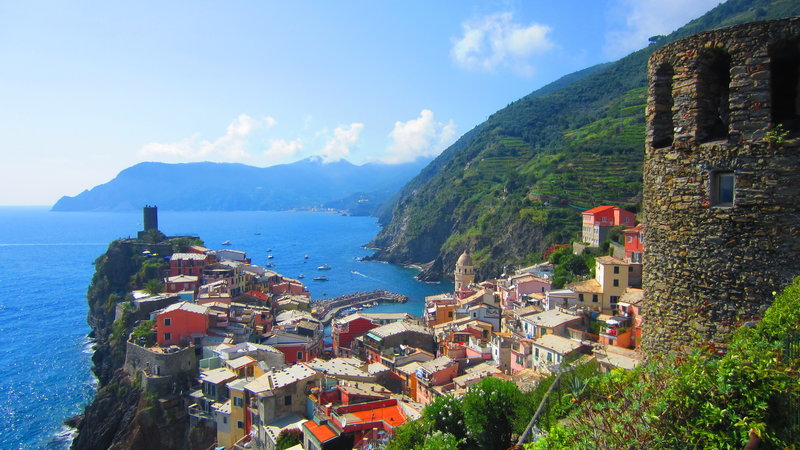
(46, 264)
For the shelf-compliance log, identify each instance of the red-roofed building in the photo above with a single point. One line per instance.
(317, 435)
(598, 221)
(358, 426)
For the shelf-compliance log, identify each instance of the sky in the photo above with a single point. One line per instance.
(88, 89)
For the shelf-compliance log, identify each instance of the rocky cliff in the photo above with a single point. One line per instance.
(121, 416)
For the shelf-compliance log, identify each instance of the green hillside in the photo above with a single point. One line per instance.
(516, 183)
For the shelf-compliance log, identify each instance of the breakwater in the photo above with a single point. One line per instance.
(326, 310)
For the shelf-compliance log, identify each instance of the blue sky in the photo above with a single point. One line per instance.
(90, 88)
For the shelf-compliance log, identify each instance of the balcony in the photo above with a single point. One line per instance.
(198, 413)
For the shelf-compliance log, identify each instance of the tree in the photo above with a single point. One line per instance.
(409, 435)
(446, 414)
(490, 411)
(154, 286)
(144, 335)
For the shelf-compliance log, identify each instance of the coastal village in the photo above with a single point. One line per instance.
(242, 351)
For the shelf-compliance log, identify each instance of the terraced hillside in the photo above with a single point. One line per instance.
(516, 183)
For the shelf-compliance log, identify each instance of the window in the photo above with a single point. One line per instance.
(723, 184)
(536, 353)
(299, 356)
(224, 419)
(450, 314)
(167, 336)
(594, 298)
(616, 282)
(238, 402)
(630, 268)
(167, 321)
(713, 89)
(785, 76)
(239, 424)
(519, 360)
(580, 298)
(287, 400)
(616, 269)
(629, 238)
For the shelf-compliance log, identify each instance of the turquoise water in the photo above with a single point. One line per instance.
(46, 265)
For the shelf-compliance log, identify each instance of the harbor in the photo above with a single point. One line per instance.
(326, 310)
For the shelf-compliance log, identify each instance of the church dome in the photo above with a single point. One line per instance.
(464, 259)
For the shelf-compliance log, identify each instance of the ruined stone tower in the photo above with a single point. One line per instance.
(721, 180)
(150, 214)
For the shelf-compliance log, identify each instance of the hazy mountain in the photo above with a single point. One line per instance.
(307, 183)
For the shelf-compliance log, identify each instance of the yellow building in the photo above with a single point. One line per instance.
(604, 291)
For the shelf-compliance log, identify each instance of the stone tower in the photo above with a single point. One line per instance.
(150, 218)
(465, 271)
(721, 180)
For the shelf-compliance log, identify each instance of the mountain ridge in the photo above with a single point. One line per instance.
(197, 186)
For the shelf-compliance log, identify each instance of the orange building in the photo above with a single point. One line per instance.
(181, 323)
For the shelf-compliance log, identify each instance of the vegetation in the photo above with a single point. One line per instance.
(708, 398)
(289, 438)
(154, 286)
(570, 267)
(516, 183)
(182, 244)
(144, 335)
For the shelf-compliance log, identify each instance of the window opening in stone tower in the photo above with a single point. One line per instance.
(663, 127)
(713, 91)
(785, 81)
(723, 183)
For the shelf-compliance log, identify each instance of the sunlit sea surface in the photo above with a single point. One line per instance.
(46, 265)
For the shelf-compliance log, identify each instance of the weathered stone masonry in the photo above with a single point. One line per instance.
(721, 183)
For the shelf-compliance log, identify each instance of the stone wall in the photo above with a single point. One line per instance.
(159, 368)
(711, 263)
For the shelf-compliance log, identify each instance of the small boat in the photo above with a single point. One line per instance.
(324, 267)
(226, 242)
(269, 256)
(258, 233)
(322, 278)
(270, 264)
(269, 250)
(305, 256)
(301, 276)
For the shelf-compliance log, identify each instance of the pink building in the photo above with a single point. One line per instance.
(191, 264)
(434, 374)
(180, 283)
(598, 221)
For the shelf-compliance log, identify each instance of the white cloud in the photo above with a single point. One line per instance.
(230, 147)
(645, 18)
(423, 136)
(496, 41)
(281, 148)
(344, 138)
